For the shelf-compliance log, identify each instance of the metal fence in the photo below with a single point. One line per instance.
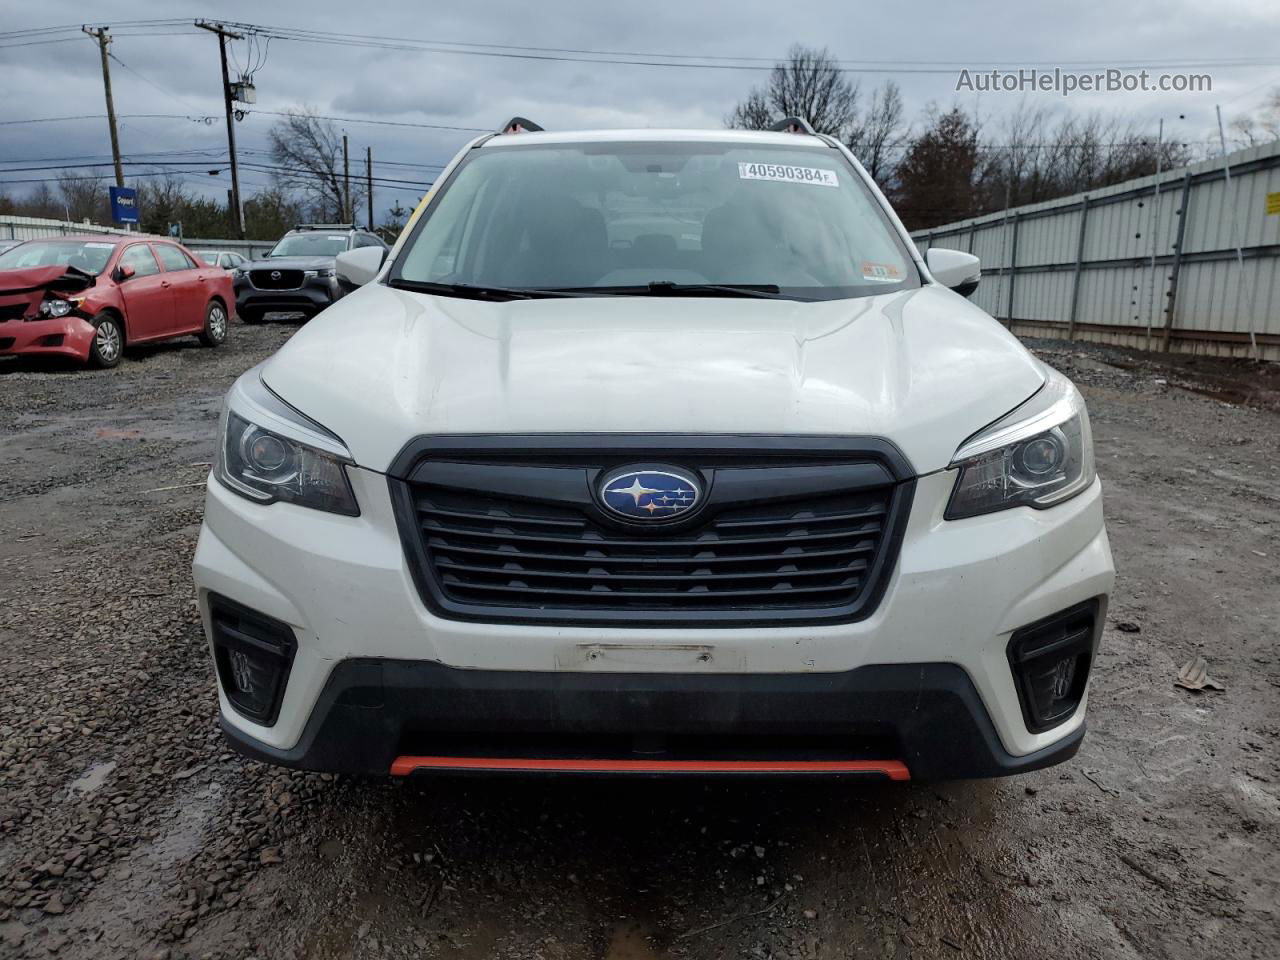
(33, 228)
(1149, 263)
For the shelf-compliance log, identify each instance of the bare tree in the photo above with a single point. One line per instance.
(878, 136)
(808, 84)
(40, 202)
(161, 201)
(752, 113)
(307, 153)
(1042, 154)
(1262, 126)
(84, 196)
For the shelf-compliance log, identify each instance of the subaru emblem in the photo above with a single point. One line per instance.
(649, 494)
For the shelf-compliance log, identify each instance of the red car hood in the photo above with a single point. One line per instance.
(27, 279)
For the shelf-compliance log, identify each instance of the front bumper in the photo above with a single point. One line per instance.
(314, 295)
(375, 673)
(373, 713)
(68, 336)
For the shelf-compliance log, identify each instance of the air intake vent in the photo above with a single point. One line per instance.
(253, 654)
(1050, 660)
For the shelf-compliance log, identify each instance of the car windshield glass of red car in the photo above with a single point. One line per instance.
(91, 256)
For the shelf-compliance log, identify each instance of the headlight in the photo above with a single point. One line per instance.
(267, 451)
(57, 307)
(318, 273)
(237, 273)
(1039, 455)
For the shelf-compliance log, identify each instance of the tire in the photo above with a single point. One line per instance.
(252, 315)
(215, 324)
(108, 341)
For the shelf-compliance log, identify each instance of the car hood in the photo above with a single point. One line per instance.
(27, 279)
(923, 368)
(290, 263)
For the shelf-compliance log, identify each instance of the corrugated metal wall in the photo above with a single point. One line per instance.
(1081, 266)
(34, 228)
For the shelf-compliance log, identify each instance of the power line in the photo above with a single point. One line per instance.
(102, 116)
(524, 51)
(151, 83)
(668, 59)
(171, 21)
(36, 43)
(385, 123)
(270, 113)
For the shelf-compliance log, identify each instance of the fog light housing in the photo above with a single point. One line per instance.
(1050, 660)
(253, 654)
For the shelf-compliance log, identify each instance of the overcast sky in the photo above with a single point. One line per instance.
(181, 71)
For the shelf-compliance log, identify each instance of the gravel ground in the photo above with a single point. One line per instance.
(128, 831)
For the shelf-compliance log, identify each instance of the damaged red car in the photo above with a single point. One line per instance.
(87, 298)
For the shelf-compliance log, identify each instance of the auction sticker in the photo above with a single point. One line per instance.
(787, 174)
(885, 272)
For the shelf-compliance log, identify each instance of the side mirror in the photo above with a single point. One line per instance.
(355, 268)
(955, 269)
(124, 272)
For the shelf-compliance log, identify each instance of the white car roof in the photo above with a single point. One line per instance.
(655, 136)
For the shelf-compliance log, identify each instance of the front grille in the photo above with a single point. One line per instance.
(548, 553)
(13, 311)
(276, 279)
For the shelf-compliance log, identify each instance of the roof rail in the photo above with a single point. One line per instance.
(520, 125)
(794, 125)
(324, 226)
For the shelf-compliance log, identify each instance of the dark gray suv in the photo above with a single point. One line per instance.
(297, 275)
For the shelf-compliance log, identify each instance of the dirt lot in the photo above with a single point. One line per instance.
(127, 830)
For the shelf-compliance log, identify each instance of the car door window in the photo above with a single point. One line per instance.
(173, 258)
(140, 259)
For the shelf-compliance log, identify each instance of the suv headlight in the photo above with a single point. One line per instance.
(322, 273)
(268, 451)
(1038, 455)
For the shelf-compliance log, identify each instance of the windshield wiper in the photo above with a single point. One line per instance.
(768, 290)
(481, 292)
(668, 288)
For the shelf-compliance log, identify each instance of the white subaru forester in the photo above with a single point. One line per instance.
(655, 451)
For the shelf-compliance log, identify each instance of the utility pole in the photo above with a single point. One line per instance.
(348, 215)
(103, 36)
(368, 172)
(237, 216)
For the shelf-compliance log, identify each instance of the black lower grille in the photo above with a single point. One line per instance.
(276, 279)
(784, 542)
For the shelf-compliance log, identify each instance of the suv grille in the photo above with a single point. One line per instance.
(276, 279)
(485, 553)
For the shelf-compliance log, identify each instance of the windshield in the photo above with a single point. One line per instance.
(619, 216)
(310, 245)
(91, 256)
